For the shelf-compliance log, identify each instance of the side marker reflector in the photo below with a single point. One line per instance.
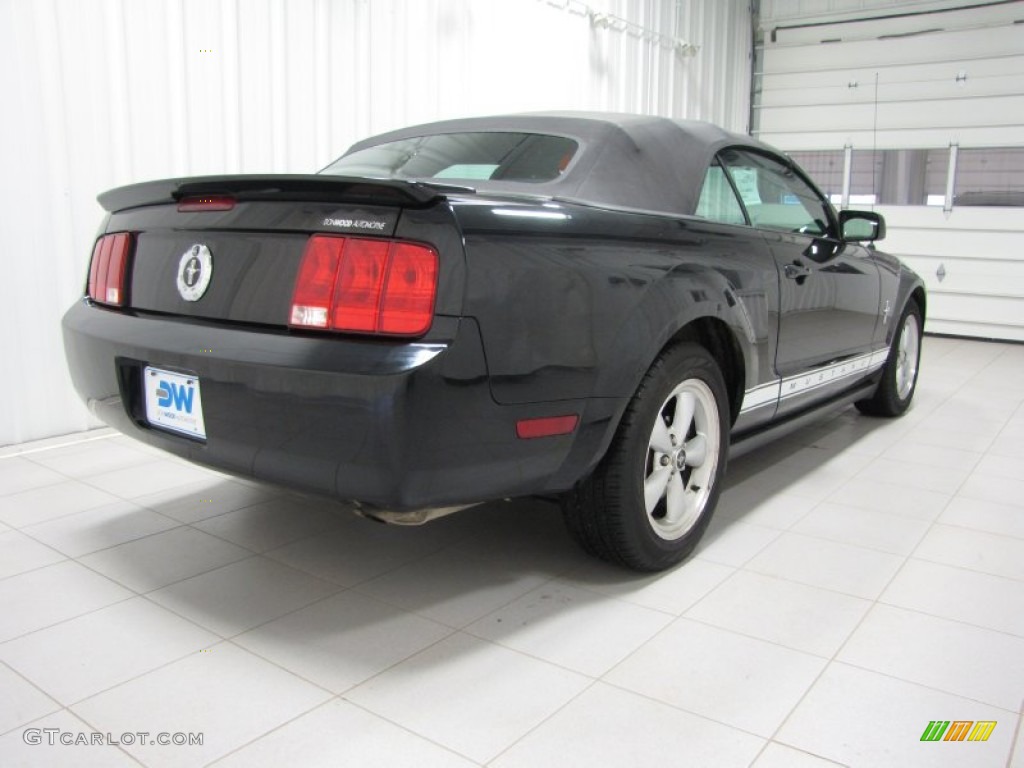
(548, 426)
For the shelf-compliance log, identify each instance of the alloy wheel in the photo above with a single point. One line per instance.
(907, 356)
(682, 457)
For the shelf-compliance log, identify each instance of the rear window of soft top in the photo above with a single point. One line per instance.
(492, 156)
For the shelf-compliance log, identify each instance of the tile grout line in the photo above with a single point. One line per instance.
(29, 681)
(876, 602)
(341, 698)
(27, 532)
(6, 451)
(276, 728)
(927, 687)
(680, 708)
(1016, 742)
(589, 686)
(76, 616)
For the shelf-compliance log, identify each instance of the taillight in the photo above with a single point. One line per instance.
(314, 286)
(108, 270)
(359, 285)
(408, 301)
(357, 294)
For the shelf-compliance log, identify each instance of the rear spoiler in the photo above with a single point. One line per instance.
(297, 187)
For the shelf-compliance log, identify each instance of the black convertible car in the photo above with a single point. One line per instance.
(599, 307)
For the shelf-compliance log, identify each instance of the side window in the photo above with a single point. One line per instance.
(717, 199)
(775, 196)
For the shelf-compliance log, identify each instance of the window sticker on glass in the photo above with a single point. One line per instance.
(746, 183)
(717, 200)
(467, 171)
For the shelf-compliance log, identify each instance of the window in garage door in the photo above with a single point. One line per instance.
(898, 176)
(990, 177)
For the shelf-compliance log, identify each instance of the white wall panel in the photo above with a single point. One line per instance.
(98, 93)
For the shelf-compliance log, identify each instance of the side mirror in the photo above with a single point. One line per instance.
(861, 225)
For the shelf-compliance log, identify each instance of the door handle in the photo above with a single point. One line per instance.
(796, 271)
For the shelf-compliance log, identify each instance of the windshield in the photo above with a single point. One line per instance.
(522, 157)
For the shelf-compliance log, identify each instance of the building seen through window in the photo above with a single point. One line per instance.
(982, 176)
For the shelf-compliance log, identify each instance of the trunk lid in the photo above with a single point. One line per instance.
(252, 238)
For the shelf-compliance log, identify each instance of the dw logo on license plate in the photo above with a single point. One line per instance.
(173, 402)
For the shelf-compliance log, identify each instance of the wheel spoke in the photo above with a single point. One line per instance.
(696, 450)
(654, 487)
(676, 501)
(686, 403)
(661, 441)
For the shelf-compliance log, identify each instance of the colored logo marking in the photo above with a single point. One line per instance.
(180, 397)
(958, 730)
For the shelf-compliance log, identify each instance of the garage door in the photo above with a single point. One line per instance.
(918, 114)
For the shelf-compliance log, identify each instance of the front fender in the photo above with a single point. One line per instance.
(910, 285)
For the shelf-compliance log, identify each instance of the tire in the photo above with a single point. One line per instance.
(652, 496)
(899, 376)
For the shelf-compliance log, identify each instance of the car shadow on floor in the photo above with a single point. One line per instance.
(335, 597)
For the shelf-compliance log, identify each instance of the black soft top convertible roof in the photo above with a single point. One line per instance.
(625, 161)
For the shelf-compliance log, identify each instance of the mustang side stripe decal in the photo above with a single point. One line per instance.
(763, 395)
(766, 394)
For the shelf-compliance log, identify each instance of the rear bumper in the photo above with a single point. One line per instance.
(396, 426)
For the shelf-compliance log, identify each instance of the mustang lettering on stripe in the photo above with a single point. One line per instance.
(792, 386)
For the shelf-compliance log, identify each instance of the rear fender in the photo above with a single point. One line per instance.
(673, 304)
(673, 309)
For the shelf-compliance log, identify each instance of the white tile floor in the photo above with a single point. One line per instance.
(861, 579)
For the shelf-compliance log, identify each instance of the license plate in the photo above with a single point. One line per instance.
(173, 402)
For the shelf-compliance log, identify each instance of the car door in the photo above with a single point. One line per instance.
(828, 289)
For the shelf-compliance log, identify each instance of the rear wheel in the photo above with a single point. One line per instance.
(899, 376)
(651, 498)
